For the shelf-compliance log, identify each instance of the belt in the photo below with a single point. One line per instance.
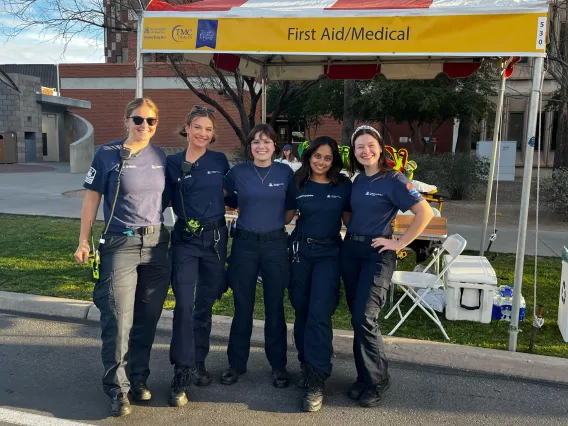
(367, 239)
(324, 242)
(210, 226)
(143, 230)
(269, 236)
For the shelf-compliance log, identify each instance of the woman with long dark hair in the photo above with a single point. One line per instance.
(322, 195)
(369, 254)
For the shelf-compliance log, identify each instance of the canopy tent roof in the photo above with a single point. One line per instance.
(347, 39)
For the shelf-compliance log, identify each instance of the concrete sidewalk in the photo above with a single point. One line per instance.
(431, 354)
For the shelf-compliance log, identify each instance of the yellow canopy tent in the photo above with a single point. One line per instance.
(356, 39)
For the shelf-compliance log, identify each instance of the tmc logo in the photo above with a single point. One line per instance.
(179, 33)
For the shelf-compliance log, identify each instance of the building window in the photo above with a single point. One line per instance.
(118, 58)
(125, 54)
(554, 132)
(515, 130)
(118, 37)
(163, 57)
(44, 142)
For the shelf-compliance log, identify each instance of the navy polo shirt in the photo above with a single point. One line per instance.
(142, 183)
(201, 189)
(375, 201)
(261, 204)
(321, 206)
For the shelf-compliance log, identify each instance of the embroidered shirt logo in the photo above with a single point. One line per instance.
(129, 166)
(276, 184)
(304, 196)
(90, 175)
(213, 172)
(157, 167)
(333, 196)
(373, 194)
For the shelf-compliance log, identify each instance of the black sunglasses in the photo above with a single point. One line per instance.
(139, 120)
(200, 108)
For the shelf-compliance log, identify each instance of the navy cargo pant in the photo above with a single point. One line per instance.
(198, 280)
(249, 253)
(314, 293)
(366, 275)
(133, 284)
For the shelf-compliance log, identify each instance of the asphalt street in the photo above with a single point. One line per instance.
(50, 375)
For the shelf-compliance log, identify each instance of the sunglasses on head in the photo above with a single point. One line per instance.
(139, 120)
(200, 108)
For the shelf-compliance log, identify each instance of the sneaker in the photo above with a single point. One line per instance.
(356, 390)
(179, 387)
(303, 378)
(140, 391)
(280, 378)
(120, 405)
(231, 376)
(374, 395)
(313, 398)
(201, 376)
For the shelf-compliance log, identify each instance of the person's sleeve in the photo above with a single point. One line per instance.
(96, 179)
(290, 193)
(169, 187)
(404, 195)
(225, 164)
(347, 194)
(229, 182)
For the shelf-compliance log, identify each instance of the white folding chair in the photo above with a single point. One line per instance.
(409, 282)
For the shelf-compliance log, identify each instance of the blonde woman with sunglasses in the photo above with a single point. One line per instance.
(131, 264)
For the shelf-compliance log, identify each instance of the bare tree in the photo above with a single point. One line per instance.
(63, 20)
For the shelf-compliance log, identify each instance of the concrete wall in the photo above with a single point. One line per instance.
(20, 112)
(80, 138)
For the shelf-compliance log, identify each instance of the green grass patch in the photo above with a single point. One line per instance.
(36, 257)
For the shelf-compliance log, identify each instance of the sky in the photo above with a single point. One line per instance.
(31, 47)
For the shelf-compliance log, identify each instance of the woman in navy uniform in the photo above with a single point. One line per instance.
(264, 190)
(369, 254)
(134, 272)
(194, 184)
(322, 199)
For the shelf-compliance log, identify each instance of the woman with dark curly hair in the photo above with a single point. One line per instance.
(322, 195)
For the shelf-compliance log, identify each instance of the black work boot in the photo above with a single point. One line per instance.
(120, 405)
(231, 376)
(280, 378)
(356, 390)
(201, 375)
(303, 378)
(140, 391)
(374, 395)
(179, 388)
(313, 398)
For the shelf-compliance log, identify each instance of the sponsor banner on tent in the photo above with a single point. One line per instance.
(511, 34)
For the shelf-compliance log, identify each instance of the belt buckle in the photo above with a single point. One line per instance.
(309, 240)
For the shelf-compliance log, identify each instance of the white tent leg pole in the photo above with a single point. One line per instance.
(491, 176)
(524, 213)
(139, 58)
(263, 103)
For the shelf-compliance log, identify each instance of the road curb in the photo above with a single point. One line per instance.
(420, 352)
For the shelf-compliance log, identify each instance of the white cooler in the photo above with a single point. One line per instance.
(471, 283)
